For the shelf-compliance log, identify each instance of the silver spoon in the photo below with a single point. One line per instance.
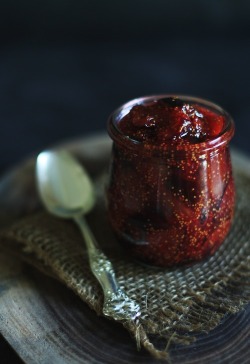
(67, 191)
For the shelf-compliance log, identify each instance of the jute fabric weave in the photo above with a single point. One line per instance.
(177, 304)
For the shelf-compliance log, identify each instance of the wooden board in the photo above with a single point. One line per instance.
(46, 323)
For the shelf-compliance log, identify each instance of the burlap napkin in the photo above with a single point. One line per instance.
(177, 304)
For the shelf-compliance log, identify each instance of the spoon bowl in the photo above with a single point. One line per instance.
(66, 192)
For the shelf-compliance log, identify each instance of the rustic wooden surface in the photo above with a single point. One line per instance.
(46, 323)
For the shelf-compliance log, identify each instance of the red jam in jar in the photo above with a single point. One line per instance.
(171, 190)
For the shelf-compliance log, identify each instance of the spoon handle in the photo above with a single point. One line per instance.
(100, 265)
(116, 303)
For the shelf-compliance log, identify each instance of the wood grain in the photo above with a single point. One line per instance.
(46, 323)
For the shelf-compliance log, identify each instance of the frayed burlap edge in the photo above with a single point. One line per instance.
(42, 241)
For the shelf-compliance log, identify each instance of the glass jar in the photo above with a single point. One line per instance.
(170, 204)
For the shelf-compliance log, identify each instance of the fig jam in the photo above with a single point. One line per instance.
(171, 190)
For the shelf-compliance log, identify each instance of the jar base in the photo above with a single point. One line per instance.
(146, 258)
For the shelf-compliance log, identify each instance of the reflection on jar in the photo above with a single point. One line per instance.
(171, 202)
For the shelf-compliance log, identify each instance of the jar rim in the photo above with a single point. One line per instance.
(118, 136)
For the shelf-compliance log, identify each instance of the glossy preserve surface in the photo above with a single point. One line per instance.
(171, 190)
(171, 119)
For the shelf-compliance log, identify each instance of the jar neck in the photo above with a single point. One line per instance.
(180, 147)
(171, 149)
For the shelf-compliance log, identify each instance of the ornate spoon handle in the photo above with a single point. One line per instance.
(116, 303)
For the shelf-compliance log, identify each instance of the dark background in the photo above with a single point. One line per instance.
(65, 65)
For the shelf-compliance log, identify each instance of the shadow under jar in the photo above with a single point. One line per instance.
(171, 191)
